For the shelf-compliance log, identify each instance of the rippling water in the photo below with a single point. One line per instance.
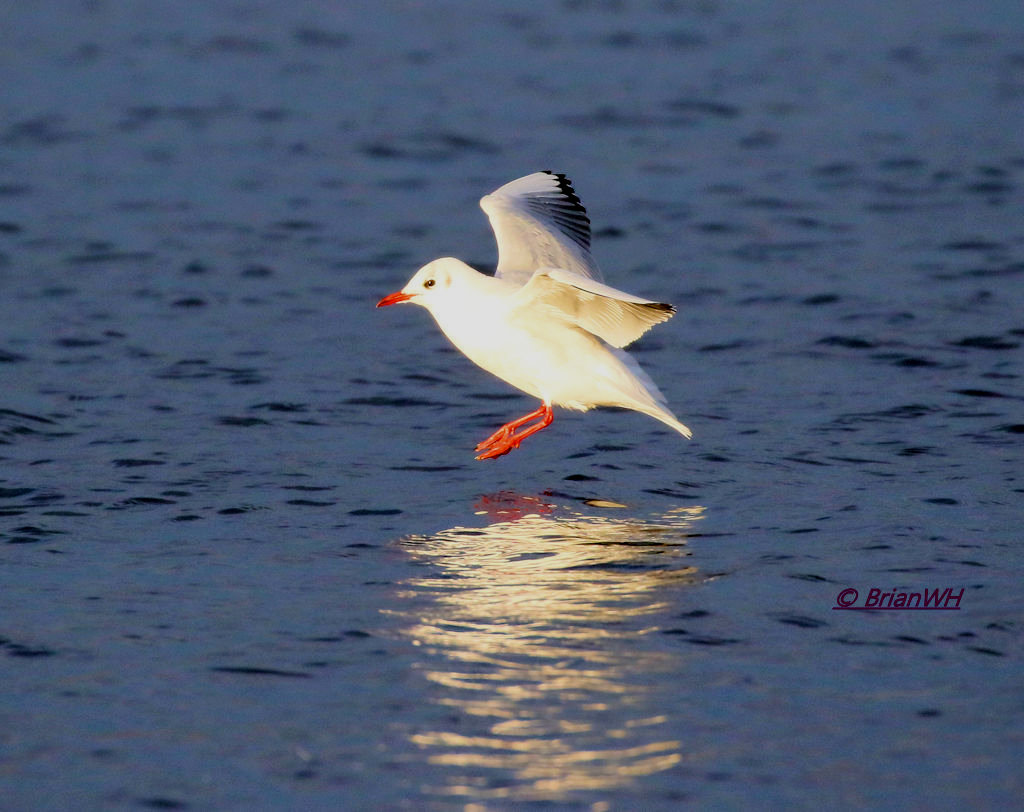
(246, 556)
(537, 636)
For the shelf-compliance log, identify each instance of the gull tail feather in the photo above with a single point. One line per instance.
(648, 398)
(669, 420)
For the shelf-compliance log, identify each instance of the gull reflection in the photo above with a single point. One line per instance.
(535, 632)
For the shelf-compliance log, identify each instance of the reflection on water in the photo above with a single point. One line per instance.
(535, 634)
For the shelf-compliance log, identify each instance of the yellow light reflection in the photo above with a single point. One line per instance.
(533, 634)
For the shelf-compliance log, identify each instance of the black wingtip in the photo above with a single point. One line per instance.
(565, 187)
(565, 209)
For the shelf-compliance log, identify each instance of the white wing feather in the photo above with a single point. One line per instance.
(618, 318)
(539, 222)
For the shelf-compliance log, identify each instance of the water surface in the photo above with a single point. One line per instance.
(247, 558)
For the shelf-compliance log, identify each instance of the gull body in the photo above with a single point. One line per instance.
(545, 323)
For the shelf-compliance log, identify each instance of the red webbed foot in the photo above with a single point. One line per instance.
(505, 438)
(499, 436)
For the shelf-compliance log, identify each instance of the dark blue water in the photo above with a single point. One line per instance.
(247, 559)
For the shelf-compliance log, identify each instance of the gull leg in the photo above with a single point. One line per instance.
(504, 439)
(505, 431)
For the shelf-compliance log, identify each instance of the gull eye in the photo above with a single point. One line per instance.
(429, 283)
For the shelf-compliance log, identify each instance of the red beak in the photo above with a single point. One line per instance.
(394, 298)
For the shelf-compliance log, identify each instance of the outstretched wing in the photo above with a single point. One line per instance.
(539, 222)
(617, 317)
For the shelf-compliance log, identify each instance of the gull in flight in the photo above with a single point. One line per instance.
(545, 322)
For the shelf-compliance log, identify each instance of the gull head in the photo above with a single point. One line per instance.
(430, 283)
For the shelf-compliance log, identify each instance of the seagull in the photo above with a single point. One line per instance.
(545, 322)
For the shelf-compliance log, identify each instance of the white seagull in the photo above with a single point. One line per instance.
(545, 322)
